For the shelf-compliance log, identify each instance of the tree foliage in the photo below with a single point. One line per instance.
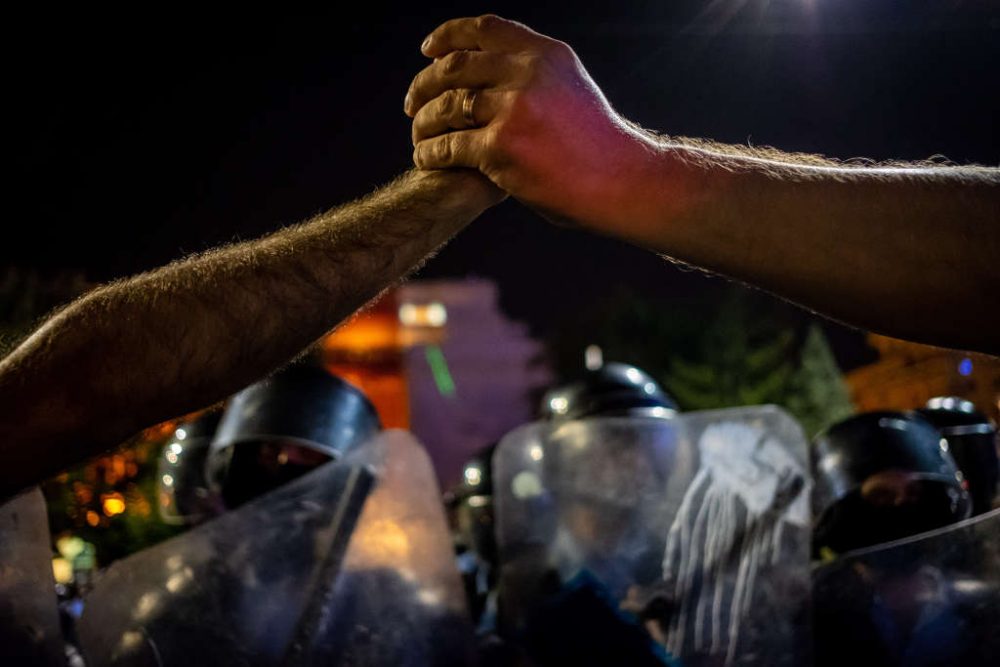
(731, 349)
(819, 397)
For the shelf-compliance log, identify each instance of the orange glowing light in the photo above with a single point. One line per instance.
(161, 431)
(84, 494)
(379, 542)
(372, 333)
(364, 334)
(113, 504)
(368, 352)
(92, 518)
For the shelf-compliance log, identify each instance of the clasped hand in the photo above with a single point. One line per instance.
(520, 107)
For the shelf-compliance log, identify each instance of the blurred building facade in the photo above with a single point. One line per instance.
(440, 358)
(907, 375)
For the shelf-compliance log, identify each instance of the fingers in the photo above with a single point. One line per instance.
(455, 149)
(455, 110)
(459, 69)
(462, 189)
(482, 33)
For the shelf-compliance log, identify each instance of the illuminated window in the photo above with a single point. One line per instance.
(425, 315)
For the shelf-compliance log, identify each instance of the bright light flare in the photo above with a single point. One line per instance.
(62, 570)
(113, 504)
(473, 476)
(423, 315)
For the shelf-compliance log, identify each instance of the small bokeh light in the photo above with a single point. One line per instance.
(113, 504)
(62, 570)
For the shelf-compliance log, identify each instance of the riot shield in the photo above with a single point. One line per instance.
(29, 622)
(398, 599)
(231, 591)
(325, 570)
(932, 599)
(698, 526)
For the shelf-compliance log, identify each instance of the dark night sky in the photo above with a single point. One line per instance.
(140, 136)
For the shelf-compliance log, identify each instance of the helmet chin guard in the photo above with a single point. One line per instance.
(882, 476)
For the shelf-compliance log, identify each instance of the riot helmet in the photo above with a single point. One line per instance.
(185, 495)
(470, 506)
(972, 443)
(471, 500)
(284, 426)
(599, 477)
(879, 477)
(611, 390)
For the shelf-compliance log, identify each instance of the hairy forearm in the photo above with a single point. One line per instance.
(907, 250)
(148, 348)
(910, 250)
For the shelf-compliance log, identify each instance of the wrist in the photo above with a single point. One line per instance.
(651, 187)
(460, 194)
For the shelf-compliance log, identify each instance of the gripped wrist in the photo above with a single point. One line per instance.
(645, 186)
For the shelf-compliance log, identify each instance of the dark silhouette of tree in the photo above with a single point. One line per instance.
(746, 357)
(819, 397)
(732, 349)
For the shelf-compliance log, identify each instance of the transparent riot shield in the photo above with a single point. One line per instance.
(29, 621)
(231, 591)
(697, 526)
(326, 570)
(398, 599)
(932, 599)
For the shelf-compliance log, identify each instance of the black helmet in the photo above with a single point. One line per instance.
(184, 490)
(882, 476)
(612, 390)
(972, 443)
(282, 427)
